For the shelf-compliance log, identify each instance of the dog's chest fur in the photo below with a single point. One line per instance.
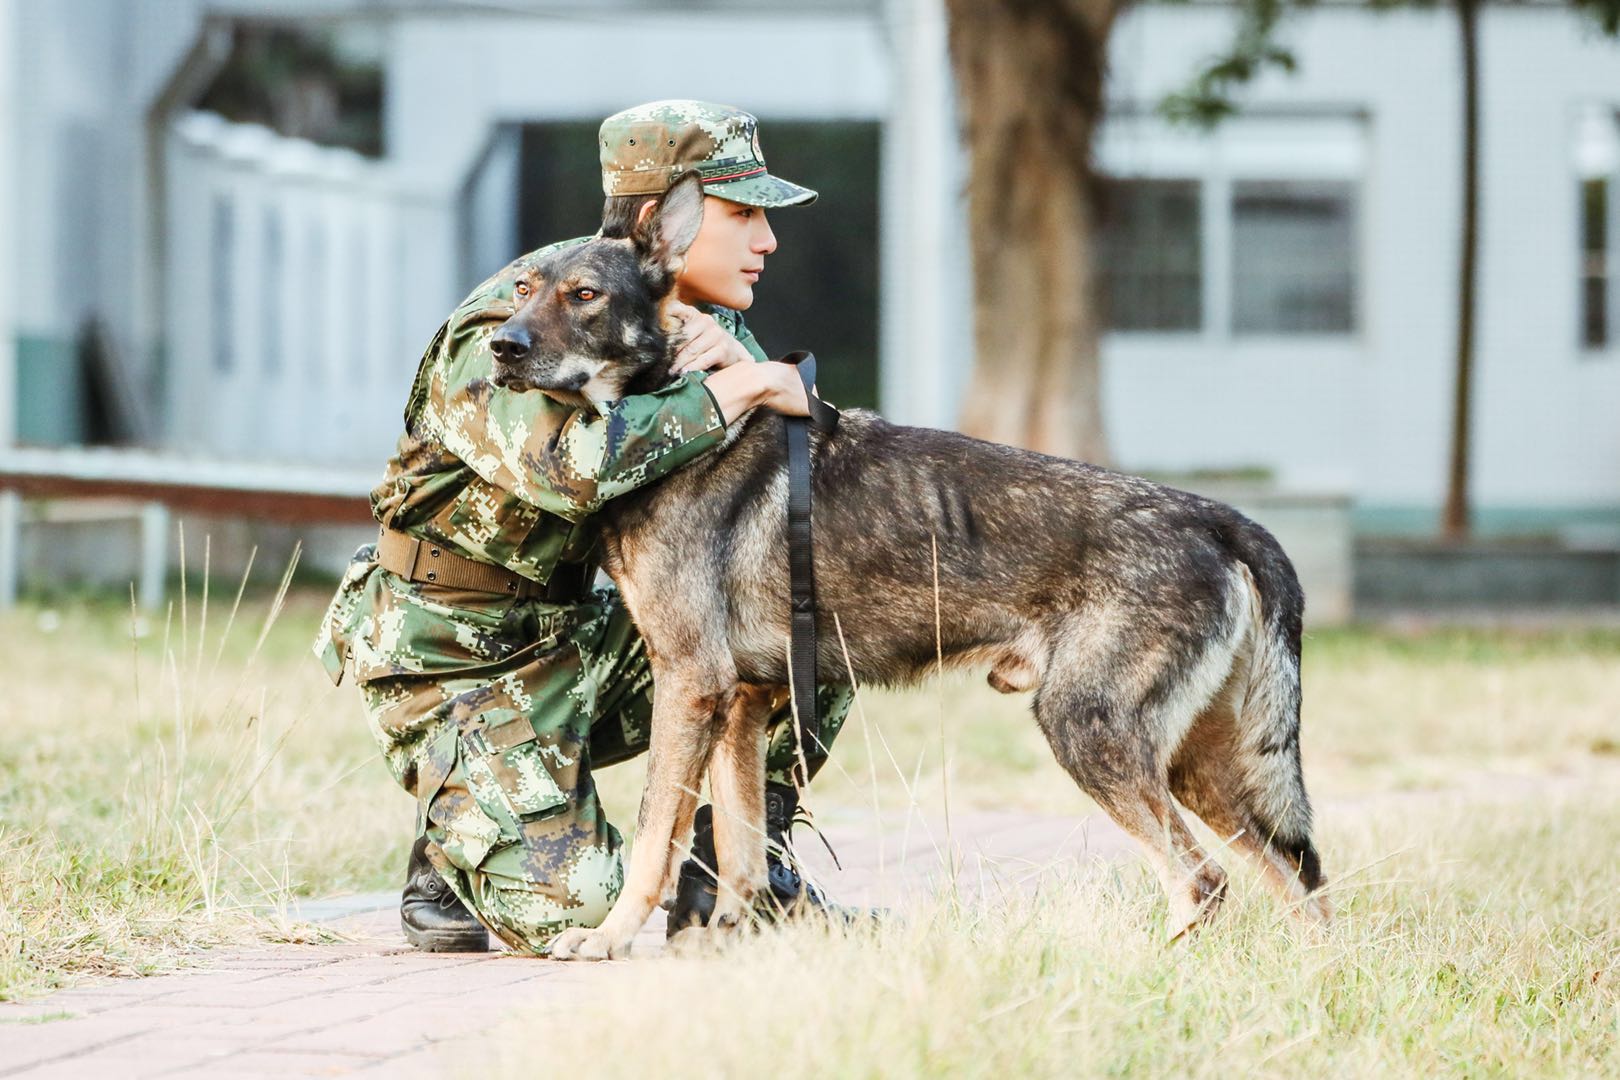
(700, 557)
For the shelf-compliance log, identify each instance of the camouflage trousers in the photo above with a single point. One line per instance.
(492, 712)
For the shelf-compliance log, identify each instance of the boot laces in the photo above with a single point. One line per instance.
(803, 816)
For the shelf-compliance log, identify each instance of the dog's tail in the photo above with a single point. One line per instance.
(1268, 720)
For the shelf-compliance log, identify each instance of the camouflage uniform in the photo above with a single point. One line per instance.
(491, 710)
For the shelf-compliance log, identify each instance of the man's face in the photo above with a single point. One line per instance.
(728, 255)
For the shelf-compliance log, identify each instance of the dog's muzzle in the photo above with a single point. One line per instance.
(510, 344)
(513, 350)
(531, 372)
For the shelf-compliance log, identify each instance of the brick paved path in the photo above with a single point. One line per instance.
(357, 1007)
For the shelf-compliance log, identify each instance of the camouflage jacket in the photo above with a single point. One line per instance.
(513, 478)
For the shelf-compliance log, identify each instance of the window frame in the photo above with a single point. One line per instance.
(1595, 143)
(1301, 146)
(1354, 252)
(1201, 224)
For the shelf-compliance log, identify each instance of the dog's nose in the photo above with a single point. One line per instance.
(510, 344)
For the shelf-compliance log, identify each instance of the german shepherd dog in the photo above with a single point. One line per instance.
(1160, 631)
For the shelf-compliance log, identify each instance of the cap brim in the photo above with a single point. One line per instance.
(764, 190)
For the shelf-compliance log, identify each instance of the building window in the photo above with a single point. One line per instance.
(1597, 171)
(1595, 268)
(1293, 257)
(1252, 230)
(1152, 255)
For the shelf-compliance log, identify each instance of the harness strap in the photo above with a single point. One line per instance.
(801, 565)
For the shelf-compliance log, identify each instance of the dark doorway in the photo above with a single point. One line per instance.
(820, 288)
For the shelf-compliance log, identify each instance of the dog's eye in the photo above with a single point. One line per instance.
(584, 295)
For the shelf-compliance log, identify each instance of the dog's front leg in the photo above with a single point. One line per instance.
(682, 735)
(737, 789)
(680, 843)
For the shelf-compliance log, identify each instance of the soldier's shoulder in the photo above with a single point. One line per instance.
(492, 299)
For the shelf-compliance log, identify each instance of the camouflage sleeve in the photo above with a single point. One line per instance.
(567, 461)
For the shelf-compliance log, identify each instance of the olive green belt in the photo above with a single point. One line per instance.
(425, 561)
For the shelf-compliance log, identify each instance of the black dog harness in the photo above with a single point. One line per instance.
(801, 567)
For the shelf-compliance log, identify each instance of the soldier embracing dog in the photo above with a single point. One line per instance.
(496, 673)
(1159, 630)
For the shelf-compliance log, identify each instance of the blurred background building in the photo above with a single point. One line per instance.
(228, 228)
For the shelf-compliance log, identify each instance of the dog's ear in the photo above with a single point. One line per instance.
(663, 236)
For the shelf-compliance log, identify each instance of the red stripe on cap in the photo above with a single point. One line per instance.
(733, 176)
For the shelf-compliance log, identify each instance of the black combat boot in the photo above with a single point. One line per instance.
(696, 890)
(434, 918)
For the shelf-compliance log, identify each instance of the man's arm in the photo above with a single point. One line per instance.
(567, 461)
(742, 377)
(741, 387)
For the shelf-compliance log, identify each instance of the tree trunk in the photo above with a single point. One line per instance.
(1029, 74)
(1454, 523)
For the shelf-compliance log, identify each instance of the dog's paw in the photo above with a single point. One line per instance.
(582, 944)
(729, 919)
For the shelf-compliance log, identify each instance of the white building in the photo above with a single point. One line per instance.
(1330, 220)
(1283, 290)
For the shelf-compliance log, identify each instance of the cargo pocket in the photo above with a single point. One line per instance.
(333, 639)
(494, 525)
(469, 834)
(412, 628)
(507, 771)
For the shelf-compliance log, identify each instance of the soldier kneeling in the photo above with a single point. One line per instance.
(496, 673)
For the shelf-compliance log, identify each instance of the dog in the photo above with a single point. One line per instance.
(1159, 631)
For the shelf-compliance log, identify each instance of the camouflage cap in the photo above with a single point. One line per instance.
(645, 148)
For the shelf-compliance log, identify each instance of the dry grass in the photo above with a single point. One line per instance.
(180, 789)
(175, 788)
(1474, 940)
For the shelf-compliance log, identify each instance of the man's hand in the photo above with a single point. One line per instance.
(775, 385)
(705, 346)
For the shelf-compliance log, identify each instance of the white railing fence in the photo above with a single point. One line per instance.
(302, 284)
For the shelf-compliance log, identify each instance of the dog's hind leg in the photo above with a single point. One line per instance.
(1120, 770)
(1215, 776)
(737, 787)
(1239, 769)
(1208, 779)
(684, 707)
(1093, 712)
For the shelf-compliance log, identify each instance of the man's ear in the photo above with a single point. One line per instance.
(663, 236)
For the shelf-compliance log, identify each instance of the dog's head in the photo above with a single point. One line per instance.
(589, 319)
